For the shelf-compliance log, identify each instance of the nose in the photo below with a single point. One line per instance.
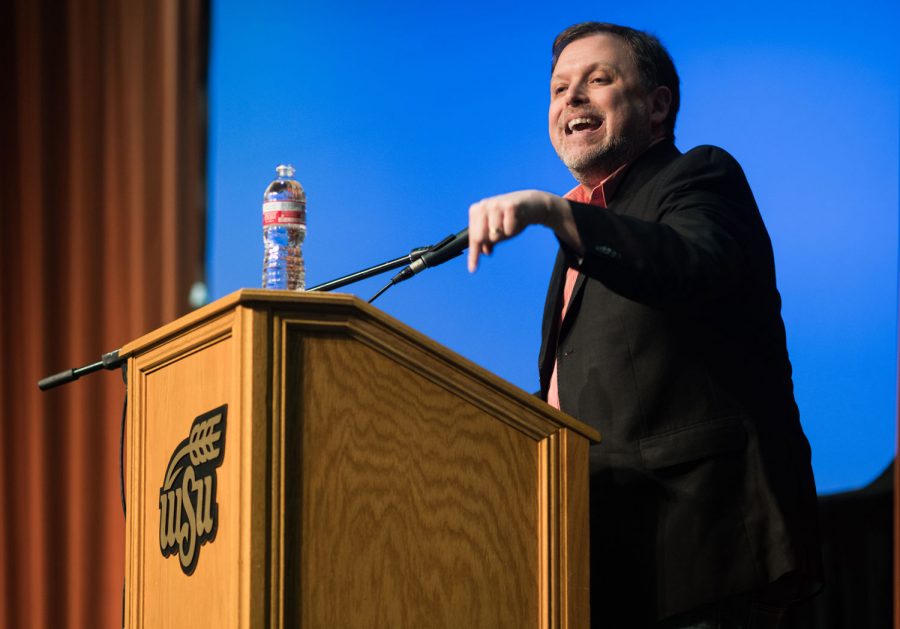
(577, 94)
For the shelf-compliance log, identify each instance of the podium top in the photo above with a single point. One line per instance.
(346, 307)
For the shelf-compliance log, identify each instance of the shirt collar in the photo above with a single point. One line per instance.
(601, 195)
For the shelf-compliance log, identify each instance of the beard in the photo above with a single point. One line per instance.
(597, 161)
(605, 157)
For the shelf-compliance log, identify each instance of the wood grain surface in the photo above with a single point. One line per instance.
(419, 509)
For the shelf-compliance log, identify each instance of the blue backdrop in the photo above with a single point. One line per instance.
(397, 118)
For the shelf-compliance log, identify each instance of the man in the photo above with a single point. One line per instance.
(662, 329)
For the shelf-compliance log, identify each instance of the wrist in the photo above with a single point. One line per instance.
(563, 224)
(556, 211)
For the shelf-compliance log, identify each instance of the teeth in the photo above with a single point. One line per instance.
(577, 121)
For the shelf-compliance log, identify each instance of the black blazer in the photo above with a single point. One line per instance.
(673, 347)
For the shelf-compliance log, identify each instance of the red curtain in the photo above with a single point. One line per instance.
(102, 220)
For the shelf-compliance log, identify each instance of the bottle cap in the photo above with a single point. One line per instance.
(285, 171)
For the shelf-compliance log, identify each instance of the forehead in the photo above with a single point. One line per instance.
(597, 50)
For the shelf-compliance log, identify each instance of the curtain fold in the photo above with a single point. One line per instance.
(102, 234)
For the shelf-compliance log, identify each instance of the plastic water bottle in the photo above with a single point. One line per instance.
(284, 227)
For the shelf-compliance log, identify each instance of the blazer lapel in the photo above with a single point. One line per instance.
(549, 324)
(572, 306)
(551, 330)
(640, 172)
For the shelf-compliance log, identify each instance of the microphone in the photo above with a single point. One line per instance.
(447, 249)
(110, 360)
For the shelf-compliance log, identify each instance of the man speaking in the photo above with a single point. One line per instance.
(662, 329)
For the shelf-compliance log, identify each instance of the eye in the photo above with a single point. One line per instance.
(559, 89)
(600, 79)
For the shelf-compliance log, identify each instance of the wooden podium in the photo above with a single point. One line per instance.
(304, 460)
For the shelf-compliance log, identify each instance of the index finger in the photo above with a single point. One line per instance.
(477, 223)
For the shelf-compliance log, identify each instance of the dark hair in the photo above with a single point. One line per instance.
(652, 59)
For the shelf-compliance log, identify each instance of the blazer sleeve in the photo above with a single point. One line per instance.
(692, 237)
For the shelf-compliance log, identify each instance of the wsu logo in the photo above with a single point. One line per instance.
(188, 512)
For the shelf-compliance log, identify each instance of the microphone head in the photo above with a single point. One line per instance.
(454, 247)
(447, 249)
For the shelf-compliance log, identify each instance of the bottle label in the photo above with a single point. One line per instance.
(283, 213)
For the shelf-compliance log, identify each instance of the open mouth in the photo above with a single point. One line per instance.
(582, 124)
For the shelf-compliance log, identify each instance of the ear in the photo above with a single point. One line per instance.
(660, 103)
